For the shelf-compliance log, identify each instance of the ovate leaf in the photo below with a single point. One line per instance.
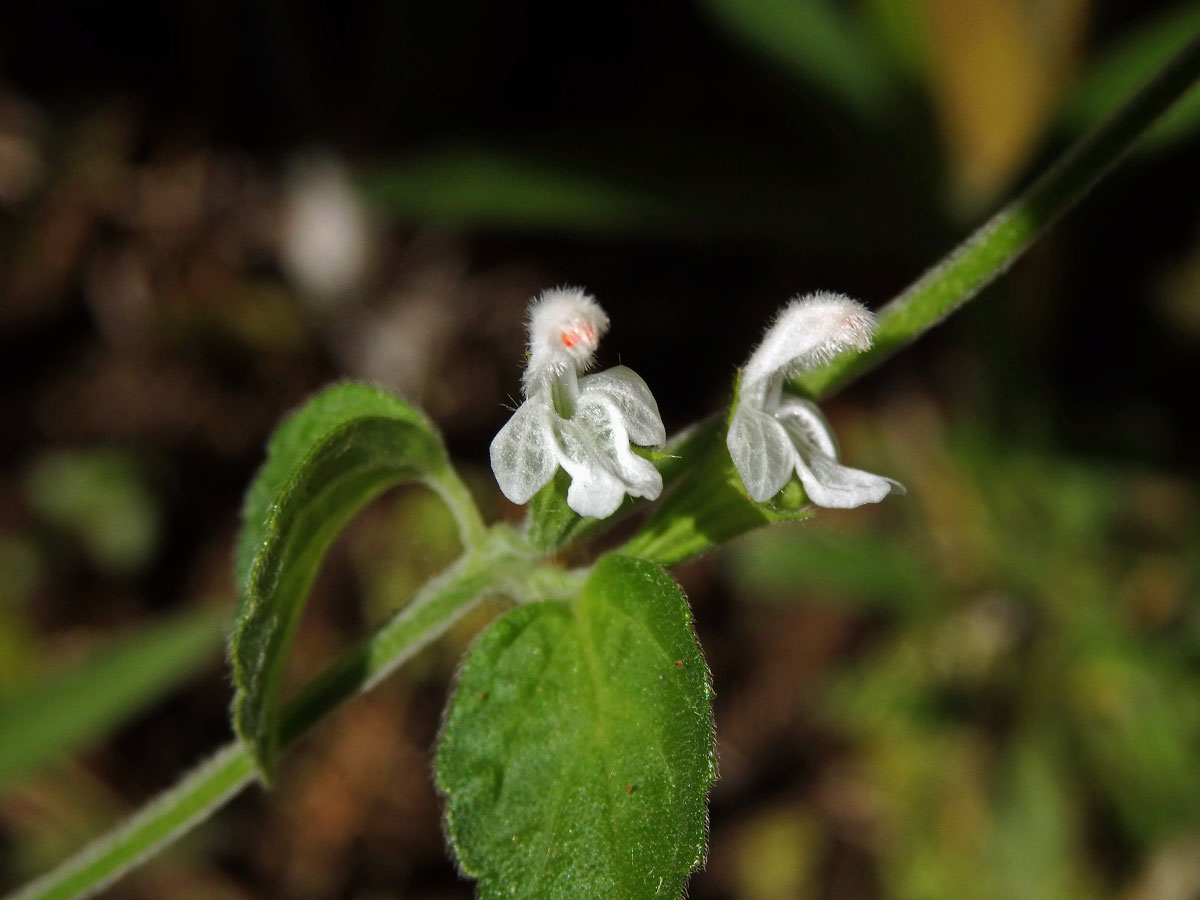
(336, 453)
(578, 749)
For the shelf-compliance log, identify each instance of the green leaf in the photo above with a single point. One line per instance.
(815, 41)
(578, 749)
(320, 417)
(343, 448)
(66, 709)
(1127, 65)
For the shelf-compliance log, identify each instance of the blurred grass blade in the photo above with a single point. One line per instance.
(1138, 718)
(342, 449)
(901, 29)
(1123, 68)
(1034, 843)
(631, 185)
(500, 189)
(782, 565)
(67, 709)
(816, 41)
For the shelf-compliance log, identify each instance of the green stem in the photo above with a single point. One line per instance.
(173, 813)
(471, 528)
(441, 602)
(989, 252)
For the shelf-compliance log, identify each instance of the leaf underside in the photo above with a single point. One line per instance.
(343, 448)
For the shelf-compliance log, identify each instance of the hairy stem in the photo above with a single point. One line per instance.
(988, 253)
(208, 787)
(457, 496)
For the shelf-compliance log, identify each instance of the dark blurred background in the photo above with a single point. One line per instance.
(989, 688)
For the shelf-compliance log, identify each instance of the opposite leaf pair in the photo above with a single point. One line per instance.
(587, 425)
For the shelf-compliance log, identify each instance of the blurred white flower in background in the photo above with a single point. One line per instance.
(326, 240)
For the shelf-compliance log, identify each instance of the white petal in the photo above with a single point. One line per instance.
(595, 493)
(594, 490)
(830, 484)
(523, 454)
(809, 331)
(602, 428)
(826, 481)
(633, 399)
(761, 452)
(803, 419)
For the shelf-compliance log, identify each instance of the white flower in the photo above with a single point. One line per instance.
(772, 434)
(583, 424)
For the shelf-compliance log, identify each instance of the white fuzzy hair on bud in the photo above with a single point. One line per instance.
(565, 327)
(808, 332)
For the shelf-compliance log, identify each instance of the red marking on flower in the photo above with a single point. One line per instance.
(577, 334)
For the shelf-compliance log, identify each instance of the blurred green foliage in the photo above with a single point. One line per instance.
(1030, 686)
(102, 500)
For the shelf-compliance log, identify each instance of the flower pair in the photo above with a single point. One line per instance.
(587, 424)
